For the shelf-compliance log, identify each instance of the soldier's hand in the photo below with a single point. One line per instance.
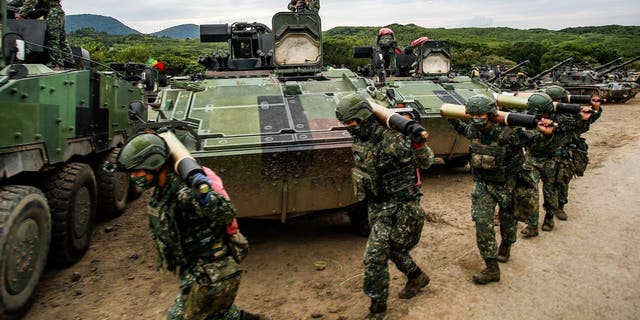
(201, 185)
(595, 102)
(586, 113)
(546, 126)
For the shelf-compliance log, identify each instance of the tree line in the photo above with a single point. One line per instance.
(590, 46)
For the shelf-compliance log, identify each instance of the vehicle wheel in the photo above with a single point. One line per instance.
(457, 162)
(113, 186)
(71, 191)
(25, 235)
(359, 218)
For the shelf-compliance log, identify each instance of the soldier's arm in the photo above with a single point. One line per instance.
(459, 126)
(27, 7)
(217, 209)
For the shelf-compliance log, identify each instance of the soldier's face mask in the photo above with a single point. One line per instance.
(143, 179)
(479, 121)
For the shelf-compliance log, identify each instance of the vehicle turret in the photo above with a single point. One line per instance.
(497, 77)
(532, 80)
(616, 67)
(607, 64)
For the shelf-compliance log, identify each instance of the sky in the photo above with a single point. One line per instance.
(149, 16)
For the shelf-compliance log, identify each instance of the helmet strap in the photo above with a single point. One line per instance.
(162, 175)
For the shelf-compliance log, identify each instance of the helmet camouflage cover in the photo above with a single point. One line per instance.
(540, 103)
(146, 151)
(353, 107)
(481, 104)
(556, 93)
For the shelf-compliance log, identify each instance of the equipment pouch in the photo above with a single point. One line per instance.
(361, 183)
(525, 194)
(580, 157)
(487, 161)
(238, 246)
(565, 172)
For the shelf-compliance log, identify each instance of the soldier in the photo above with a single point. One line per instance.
(386, 176)
(196, 237)
(573, 153)
(542, 158)
(304, 5)
(55, 36)
(495, 159)
(386, 45)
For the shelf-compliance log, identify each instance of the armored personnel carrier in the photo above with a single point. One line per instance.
(263, 117)
(58, 127)
(594, 82)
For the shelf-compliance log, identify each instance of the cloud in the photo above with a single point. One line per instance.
(150, 16)
(479, 22)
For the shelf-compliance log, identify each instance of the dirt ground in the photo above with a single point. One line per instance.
(587, 268)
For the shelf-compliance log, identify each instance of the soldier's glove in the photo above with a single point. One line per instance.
(201, 185)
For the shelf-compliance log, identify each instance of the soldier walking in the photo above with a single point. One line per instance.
(386, 176)
(194, 234)
(573, 157)
(496, 157)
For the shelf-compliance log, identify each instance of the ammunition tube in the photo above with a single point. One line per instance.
(566, 108)
(515, 102)
(184, 163)
(392, 120)
(454, 111)
(579, 99)
(521, 120)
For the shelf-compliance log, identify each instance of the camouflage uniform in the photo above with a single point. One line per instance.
(385, 175)
(191, 241)
(494, 186)
(310, 5)
(55, 37)
(387, 45)
(543, 157)
(573, 158)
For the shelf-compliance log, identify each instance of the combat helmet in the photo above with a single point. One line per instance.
(481, 104)
(353, 107)
(539, 104)
(146, 151)
(556, 93)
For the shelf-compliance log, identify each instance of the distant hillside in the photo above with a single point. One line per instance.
(99, 23)
(114, 27)
(183, 31)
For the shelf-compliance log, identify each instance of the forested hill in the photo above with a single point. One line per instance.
(501, 45)
(97, 22)
(180, 45)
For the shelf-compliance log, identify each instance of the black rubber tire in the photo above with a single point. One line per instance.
(71, 191)
(25, 235)
(359, 218)
(113, 187)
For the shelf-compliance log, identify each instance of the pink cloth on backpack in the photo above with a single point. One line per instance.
(218, 187)
(216, 182)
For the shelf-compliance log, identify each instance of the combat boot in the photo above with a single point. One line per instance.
(417, 280)
(489, 274)
(504, 251)
(530, 231)
(547, 225)
(560, 214)
(377, 311)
